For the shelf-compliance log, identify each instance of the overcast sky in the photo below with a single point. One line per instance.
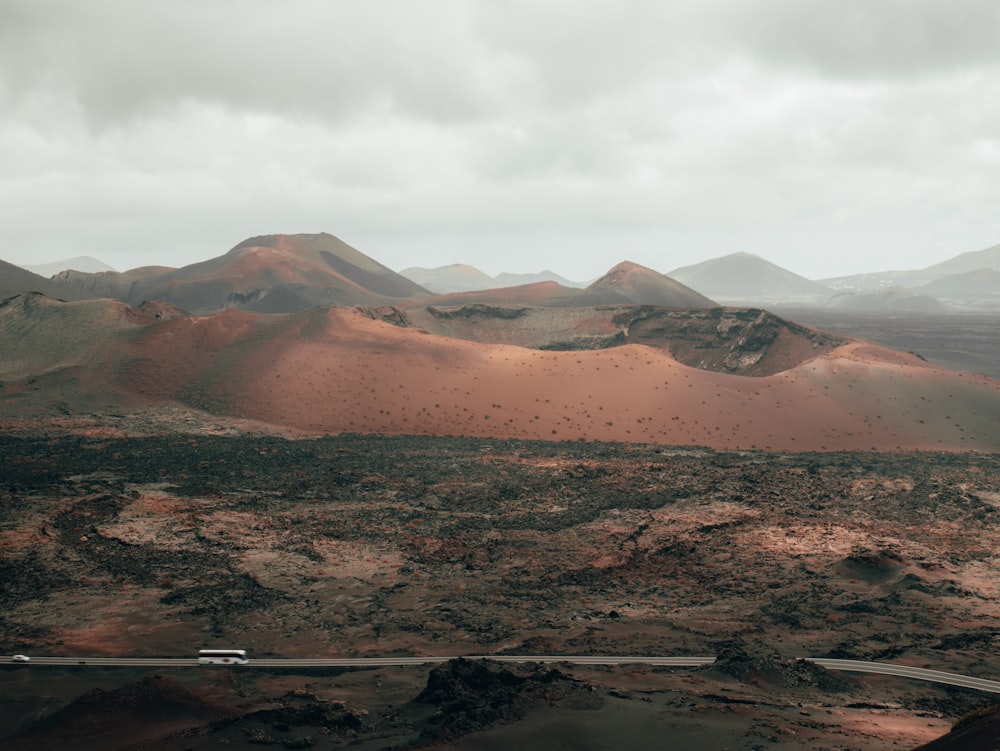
(516, 135)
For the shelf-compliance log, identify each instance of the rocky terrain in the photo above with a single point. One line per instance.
(147, 536)
(741, 341)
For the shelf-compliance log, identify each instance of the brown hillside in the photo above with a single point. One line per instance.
(644, 286)
(729, 340)
(266, 274)
(625, 284)
(539, 294)
(115, 284)
(15, 281)
(340, 370)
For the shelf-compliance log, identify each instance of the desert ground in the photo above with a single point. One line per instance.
(165, 531)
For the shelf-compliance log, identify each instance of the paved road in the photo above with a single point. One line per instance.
(905, 671)
(882, 668)
(360, 662)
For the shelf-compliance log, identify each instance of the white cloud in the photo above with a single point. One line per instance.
(523, 134)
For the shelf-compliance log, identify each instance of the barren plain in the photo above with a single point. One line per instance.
(164, 533)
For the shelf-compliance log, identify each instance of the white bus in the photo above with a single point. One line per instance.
(222, 657)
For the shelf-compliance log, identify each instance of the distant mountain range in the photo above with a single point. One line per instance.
(743, 278)
(291, 273)
(968, 280)
(626, 283)
(287, 273)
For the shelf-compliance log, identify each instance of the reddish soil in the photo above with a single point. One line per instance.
(334, 370)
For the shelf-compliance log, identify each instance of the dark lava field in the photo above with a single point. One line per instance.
(375, 546)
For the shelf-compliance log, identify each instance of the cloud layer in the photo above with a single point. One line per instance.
(515, 135)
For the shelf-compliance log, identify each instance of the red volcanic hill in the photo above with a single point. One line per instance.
(267, 274)
(630, 282)
(626, 283)
(539, 294)
(330, 370)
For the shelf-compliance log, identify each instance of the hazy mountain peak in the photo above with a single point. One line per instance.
(639, 284)
(988, 258)
(747, 278)
(455, 277)
(87, 264)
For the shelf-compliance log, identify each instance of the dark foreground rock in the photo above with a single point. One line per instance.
(979, 731)
(472, 695)
(112, 719)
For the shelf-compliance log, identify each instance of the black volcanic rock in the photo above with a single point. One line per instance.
(763, 667)
(474, 694)
(109, 719)
(977, 731)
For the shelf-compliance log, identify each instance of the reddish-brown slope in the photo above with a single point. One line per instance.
(643, 286)
(337, 370)
(539, 294)
(745, 341)
(270, 274)
(40, 335)
(626, 283)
